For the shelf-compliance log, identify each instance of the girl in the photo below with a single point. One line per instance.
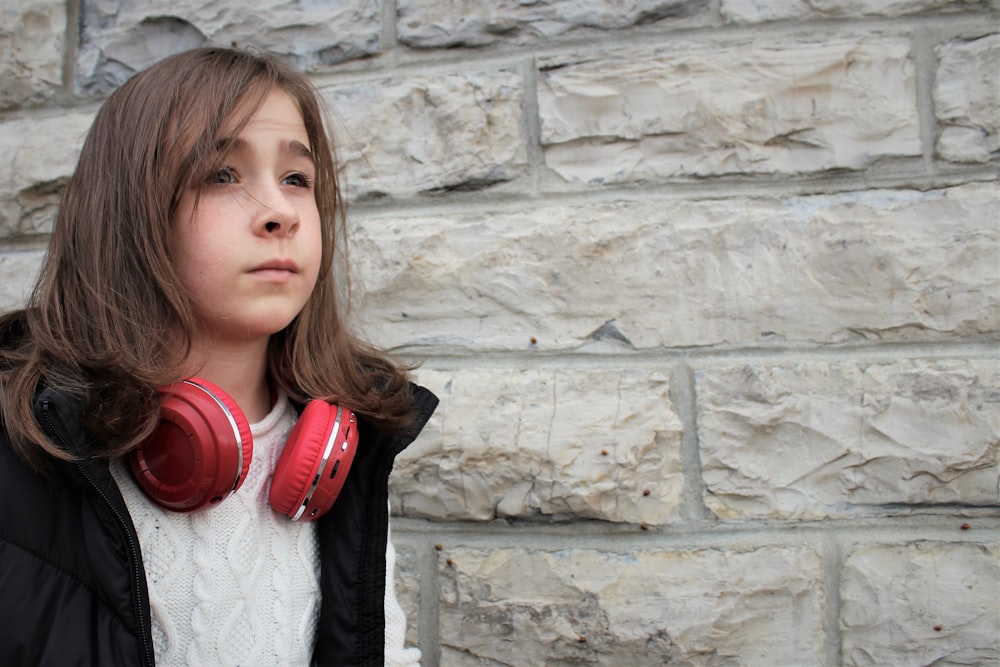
(198, 238)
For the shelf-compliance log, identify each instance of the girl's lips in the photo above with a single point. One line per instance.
(277, 265)
(275, 271)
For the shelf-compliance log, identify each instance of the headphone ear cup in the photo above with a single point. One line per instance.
(199, 453)
(315, 461)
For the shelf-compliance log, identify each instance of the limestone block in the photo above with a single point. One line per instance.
(427, 134)
(921, 604)
(552, 443)
(967, 99)
(119, 38)
(696, 110)
(828, 439)
(702, 607)
(40, 154)
(18, 271)
(754, 11)
(871, 265)
(435, 24)
(32, 38)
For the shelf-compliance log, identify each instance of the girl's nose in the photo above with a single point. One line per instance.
(277, 227)
(276, 216)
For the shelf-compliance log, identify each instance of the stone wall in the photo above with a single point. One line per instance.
(709, 289)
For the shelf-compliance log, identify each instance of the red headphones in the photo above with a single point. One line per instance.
(200, 453)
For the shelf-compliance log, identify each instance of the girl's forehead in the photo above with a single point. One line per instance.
(276, 111)
(278, 108)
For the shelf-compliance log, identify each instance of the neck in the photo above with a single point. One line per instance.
(239, 370)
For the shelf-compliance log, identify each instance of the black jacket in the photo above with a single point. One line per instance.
(72, 584)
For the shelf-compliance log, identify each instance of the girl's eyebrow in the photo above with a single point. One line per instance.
(297, 148)
(291, 147)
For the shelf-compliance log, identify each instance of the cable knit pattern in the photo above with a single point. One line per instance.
(237, 584)
(396, 652)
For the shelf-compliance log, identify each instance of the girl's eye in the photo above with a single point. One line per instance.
(224, 176)
(298, 180)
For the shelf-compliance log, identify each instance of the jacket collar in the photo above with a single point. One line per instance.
(59, 414)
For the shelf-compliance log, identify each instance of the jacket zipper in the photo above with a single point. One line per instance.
(133, 547)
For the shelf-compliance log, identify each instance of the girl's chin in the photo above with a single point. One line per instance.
(250, 335)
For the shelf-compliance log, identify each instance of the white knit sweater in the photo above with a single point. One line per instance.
(238, 584)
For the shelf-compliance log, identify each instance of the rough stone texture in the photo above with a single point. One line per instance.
(921, 604)
(814, 440)
(694, 110)
(753, 11)
(579, 607)
(429, 134)
(870, 265)
(19, 270)
(119, 38)
(431, 23)
(40, 155)
(545, 443)
(967, 99)
(32, 39)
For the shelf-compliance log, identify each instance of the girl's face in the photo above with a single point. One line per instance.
(248, 242)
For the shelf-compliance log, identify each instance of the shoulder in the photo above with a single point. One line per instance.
(12, 468)
(424, 405)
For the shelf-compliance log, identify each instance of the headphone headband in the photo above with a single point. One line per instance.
(200, 453)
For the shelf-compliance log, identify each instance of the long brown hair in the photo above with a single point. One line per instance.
(104, 318)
